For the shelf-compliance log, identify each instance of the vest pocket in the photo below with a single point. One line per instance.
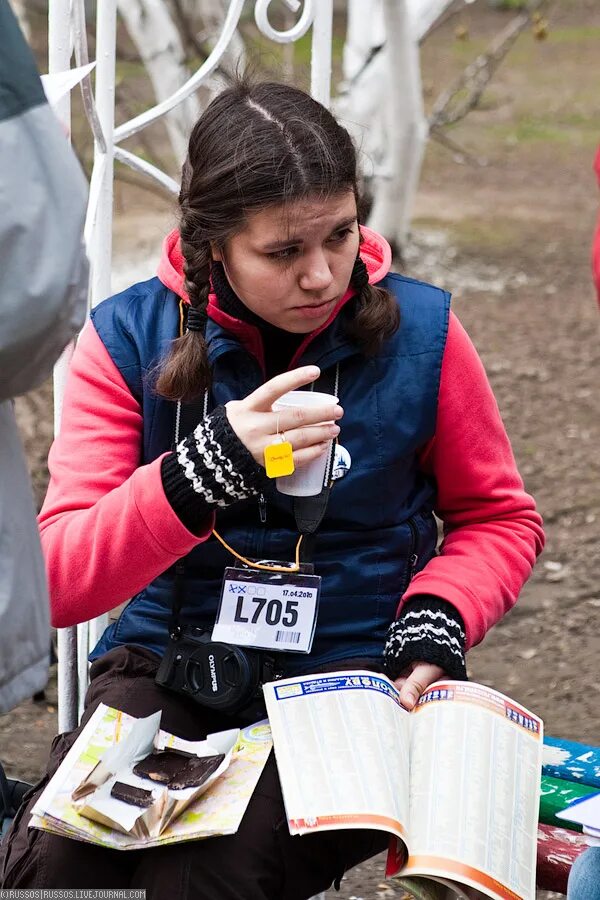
(123, 620)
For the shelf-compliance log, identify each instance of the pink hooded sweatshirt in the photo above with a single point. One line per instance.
(108, 530)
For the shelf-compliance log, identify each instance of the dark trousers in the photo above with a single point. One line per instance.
(262, 861)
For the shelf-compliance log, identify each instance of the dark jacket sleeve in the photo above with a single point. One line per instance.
(43, 275)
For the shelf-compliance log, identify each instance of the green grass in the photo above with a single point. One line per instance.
(268, 57)
(126, 69)
(302, 49)
(491, 99)
(531, 129)
(510, 4)
(558, 128)
(487, 235)
(468, 50)
(575, 35)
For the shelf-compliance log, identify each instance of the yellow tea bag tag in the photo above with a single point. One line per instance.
(278, 459)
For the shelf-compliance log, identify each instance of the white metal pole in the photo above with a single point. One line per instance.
(101, 189)
(320, 63)
(407, 123)
(100, 248)
(59, 58)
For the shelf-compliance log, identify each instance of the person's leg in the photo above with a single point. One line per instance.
(584, 878)
(244, 866)
(262, 861)
(124, 678)
(35, 858)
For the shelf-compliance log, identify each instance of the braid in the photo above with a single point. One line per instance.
(376, 314)
(196, 268)
(185, 374)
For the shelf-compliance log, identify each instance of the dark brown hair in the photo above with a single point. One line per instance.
(256, 145)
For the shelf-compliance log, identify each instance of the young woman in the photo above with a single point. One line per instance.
(271, 285)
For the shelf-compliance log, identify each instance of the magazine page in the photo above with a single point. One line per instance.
(341, 743)
(217, 811)
(475, 771)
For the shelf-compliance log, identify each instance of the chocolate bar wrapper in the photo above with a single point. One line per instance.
(92, 797)
(123, 754)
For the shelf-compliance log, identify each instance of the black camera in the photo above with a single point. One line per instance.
(222, 677)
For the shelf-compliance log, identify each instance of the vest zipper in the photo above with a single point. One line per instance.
(413, 558)
(262, 509)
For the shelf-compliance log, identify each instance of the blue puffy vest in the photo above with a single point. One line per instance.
(379, 527)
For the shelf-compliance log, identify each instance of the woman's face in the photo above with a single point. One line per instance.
(291, 264)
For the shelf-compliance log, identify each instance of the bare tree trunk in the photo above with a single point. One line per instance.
(158, 42)
(406, 127)
(465, 92)
(381, 103)
(359, 104)
(213, 14)
(381, 99)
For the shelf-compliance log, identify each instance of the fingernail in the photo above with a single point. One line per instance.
(338, 411)
(334, 429)
(411, 698)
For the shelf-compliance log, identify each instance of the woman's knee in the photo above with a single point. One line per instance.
(33, 858)
(37, 859)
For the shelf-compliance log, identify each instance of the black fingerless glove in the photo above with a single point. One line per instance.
(428, 630)
(209, 470)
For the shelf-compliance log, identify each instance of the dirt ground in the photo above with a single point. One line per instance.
(510, 238)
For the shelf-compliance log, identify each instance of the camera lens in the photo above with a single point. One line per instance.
(222, 676)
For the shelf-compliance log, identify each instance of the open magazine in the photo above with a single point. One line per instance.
(186, 790)
(456, 781)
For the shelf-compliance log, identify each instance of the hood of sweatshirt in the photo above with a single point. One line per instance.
(374, 251)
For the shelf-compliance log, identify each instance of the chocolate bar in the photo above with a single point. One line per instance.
(136, 796)
(162, 765)
(196, 772)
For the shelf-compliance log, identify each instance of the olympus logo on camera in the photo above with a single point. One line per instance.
(213, 673)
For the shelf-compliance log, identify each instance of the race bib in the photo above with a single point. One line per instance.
(268, 610)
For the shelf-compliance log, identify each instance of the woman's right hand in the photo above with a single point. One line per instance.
(256, 424)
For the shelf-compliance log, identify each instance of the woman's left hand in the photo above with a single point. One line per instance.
(415, 680)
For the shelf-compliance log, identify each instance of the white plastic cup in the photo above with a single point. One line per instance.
(307, 480)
